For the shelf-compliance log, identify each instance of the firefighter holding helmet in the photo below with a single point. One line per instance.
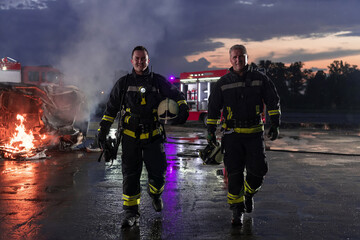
(241, 95)
(138, 95)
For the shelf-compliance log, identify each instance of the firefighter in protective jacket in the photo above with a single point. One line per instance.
(241, 95)
(142, 134)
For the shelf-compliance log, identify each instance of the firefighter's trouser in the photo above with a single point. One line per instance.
(244, 151)
(134, 153)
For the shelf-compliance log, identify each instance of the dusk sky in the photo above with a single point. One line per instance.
(92, 39)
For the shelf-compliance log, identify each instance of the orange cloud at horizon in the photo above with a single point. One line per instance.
(282, 48)
(323, 64)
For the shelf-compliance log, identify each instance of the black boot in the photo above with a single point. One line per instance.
(157, 203)
(249, 202)
(131, 219)
(237, 214)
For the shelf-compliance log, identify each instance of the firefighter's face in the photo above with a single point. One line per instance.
(140, 61)
(238, 60)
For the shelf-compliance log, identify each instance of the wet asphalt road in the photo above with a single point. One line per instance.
(312, 191)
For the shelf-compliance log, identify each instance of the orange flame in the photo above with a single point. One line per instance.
(22, 142)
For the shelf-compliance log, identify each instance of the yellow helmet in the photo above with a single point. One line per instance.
(167, 110)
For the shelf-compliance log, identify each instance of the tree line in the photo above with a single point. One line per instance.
(298, 88)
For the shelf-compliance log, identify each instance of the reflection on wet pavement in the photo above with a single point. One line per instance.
(72, 196)
(316, 141)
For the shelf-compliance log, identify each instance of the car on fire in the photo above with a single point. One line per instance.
(54, 114)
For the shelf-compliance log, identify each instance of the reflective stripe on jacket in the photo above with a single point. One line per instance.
(241, 101)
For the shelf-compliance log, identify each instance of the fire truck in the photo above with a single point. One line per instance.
(12, 71)
(39, 94)
(197, 87)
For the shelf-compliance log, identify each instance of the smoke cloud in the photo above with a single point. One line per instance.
(100, 51)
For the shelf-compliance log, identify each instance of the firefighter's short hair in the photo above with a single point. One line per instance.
(140, 48)
(238, 47)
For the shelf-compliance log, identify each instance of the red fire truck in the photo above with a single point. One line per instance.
(197, 86)
(12, 71)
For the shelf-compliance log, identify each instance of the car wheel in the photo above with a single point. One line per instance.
(204, 119)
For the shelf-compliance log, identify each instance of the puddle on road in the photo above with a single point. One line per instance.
(322, 162)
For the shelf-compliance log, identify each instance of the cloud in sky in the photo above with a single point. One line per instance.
(308, 56)
(316, 26)
(24, 4)
(93, 36)
(318, 49)
(91, 40)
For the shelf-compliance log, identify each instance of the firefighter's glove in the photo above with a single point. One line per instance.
(110, 150)
(211, 136)
(102, 133)
(273, 132)
(274, 127)
(183, 114)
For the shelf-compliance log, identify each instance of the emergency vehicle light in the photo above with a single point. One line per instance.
(200, 74)
(188, 80)
(192, 80)
(211, 79)
(11, 59)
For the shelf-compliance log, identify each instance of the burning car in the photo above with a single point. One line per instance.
(35, 118)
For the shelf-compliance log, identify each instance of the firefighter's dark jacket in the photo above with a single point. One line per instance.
(241, 101)
(143, 93)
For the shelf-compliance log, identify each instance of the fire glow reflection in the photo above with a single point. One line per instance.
(18, 182)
